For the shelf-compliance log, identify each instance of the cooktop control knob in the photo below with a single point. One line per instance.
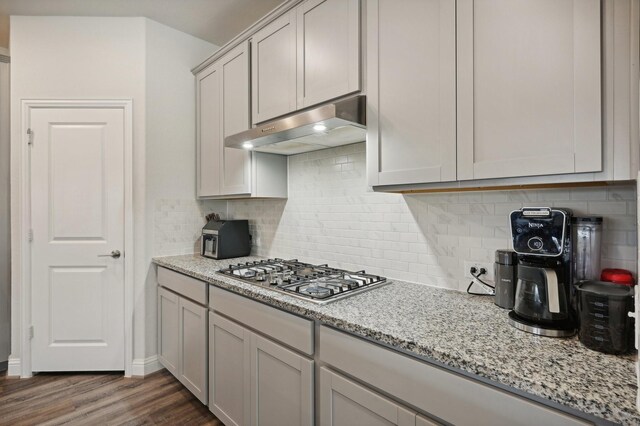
(535, 243)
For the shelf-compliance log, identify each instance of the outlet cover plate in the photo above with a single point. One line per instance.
(488, 276)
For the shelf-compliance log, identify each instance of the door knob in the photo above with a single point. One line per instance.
(115, 254)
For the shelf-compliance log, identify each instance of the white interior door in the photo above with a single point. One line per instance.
(77, 216)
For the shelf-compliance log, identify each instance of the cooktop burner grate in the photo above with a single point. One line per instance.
(316, 283)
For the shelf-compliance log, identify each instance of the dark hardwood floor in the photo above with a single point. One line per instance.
(100, 399)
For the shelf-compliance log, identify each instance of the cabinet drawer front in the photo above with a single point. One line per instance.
(188, 287)
(287, 328)
(432, 389)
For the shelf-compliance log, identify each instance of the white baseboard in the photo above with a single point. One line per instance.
(14, 368)
(144, 366)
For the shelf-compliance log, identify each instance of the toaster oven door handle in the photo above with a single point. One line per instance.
(553, 292)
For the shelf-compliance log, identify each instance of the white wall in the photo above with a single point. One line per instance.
(5, 246)
(331, 216)
(170, 146)
(77, 58)
(115, 58)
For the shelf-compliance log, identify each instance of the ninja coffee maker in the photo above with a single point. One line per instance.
(542, 241)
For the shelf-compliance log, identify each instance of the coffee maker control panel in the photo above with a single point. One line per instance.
(535, 243)
(539, 231)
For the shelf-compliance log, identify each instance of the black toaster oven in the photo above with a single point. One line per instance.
(222, 239)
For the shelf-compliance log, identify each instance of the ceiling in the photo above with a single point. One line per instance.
(216, 21)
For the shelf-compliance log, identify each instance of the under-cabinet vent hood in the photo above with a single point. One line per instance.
(338, 123)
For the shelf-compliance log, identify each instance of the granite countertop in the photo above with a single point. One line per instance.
(464, 332)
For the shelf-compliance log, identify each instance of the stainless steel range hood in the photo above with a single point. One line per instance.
(338, 123)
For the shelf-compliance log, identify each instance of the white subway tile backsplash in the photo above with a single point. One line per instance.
(177, 224)
(333, 216)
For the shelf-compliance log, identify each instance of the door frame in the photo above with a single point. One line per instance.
(24, 214)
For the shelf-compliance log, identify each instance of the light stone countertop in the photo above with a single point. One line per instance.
(459, 331)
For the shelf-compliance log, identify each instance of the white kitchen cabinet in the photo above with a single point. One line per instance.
(273, 69)
(411, 105)
(223, 109)
(528, 88)
(343, 402)
(229, 370)
(281, 385)
(328, 50)
(254, 380)
(542, 93)
(236, 167)
(273, 382)
(182, 330)
(308, 55)
(431, 389)
(193, 348)
(168, 330)
(208, 134)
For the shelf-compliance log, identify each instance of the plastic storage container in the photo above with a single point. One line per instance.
(605, 325)
(586, 240)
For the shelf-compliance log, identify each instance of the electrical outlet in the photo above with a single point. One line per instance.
(488, 266)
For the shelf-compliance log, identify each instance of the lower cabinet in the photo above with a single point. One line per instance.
(182, 340)
(441, 393)
(343, 402)
(229, 371)
(256, 381)
(168, 326)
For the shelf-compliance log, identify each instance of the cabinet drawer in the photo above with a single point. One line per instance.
(432, 389)
(188, 287)
(289, 329)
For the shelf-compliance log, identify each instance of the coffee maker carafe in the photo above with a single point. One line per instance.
(542, 240)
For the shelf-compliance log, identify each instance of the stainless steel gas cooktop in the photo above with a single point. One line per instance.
(316, 283)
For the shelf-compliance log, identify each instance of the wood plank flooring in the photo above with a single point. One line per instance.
(100, 399)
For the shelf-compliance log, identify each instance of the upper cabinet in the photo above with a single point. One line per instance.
(328, 50)
(529, 85)
(273, 70)
(307, 56)
(208, 134)
(411, 115)
(223, 95)
(500, 92)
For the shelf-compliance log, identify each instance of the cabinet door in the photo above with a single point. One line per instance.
(229, 371)
(193, 348)
(529, 88)
(168, 330)
(281, 385)
(236, 167)
(328, 48)
(411, 110)
(273, 69)
(208, 134)
(346, 403)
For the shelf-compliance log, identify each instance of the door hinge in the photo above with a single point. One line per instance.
(30, 134)
(30, 332)
(30, 235)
